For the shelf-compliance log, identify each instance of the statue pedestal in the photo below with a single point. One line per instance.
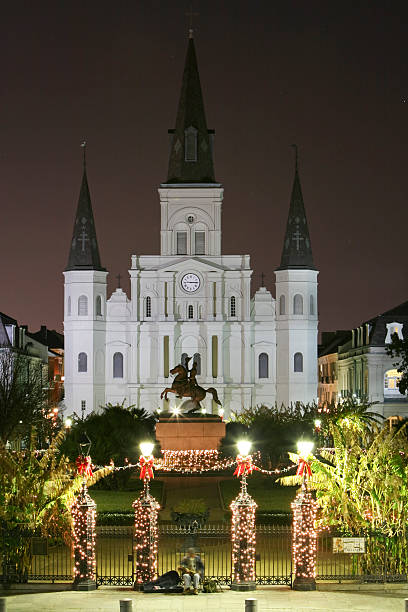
(186, 433)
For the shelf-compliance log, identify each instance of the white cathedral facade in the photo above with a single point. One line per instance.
(191, 300)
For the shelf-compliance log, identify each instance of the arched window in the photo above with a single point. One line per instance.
(82, 305)
(311, 307)
(263, 365)
(148, 306)
(298, 362)
(233, 307)
(82, 362)
(98, 306)
(197, 359)
(69, 306)
(190, 144)
(184, 358)
(282, 305)
(190, 312)
(118, 365)
(298, 304)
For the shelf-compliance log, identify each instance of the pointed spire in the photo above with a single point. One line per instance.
(84, 252)
(191, 159)
(297, 249)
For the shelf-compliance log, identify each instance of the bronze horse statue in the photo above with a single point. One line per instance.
(183, 386)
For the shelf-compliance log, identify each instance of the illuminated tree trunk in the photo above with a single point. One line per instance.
(83, 512)
(146, 538)
(304, 540)
(243, 539)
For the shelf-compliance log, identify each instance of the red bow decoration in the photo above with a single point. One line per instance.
(146, 467)
(302, 466)
(244, 466)
(84, 466)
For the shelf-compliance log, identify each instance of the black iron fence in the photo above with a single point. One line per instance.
(381, 561)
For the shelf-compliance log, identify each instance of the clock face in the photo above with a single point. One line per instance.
(190, 282)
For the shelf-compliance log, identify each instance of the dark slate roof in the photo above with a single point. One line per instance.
(84, 252)
(4, 339)
(332, 340)
(191, 114)
(378, 325)
(297, 249)
(49, 337)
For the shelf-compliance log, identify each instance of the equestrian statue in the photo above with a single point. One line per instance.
(185, 385)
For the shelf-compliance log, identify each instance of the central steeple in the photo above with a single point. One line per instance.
(191, 153)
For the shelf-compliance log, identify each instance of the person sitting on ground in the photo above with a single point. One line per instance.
(192, 568)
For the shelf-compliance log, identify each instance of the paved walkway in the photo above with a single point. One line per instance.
(269, 598)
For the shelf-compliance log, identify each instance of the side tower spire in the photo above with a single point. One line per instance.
(296, 308)
(191, 154)
(84, 251)
(297, 248)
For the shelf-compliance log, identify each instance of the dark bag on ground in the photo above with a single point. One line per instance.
(211, 586)
(168, 583)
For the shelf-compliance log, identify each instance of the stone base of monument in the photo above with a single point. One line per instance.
(192, 431)
(304, 584)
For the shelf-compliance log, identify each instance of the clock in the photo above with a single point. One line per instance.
(190, 282)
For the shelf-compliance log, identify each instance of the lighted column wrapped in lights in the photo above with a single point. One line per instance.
(83, 512)
(304, 535)
(146, 532)
(243, 534)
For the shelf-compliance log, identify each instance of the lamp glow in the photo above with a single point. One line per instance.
(68, 423)
(146, 448)
(304, 448)
(244, 446)
(176, 411)
(318, 423)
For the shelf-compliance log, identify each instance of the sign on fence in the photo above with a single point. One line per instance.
(349, 545)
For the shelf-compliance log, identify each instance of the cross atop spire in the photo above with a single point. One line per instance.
(191, 157)
(297, 249)
(191, 16)
(84, 252)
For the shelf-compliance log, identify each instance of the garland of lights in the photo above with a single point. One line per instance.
(83, 512)
(304, 539)
(146, 532)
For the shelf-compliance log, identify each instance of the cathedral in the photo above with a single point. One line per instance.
(190, 300)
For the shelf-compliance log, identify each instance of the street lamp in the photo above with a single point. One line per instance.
(304, 536)
(243, 535)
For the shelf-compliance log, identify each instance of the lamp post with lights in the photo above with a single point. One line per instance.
(83, 512)
(304, 535)
(146, 533)
(243, 535)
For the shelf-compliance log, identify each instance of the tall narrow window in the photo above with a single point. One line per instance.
(282, 305)
(199, 243)
(197, 360)
(214, 300)
(263, 365)
(233, 307)
(98, 306)
(82, 305)
(298, 362)
(190, 144)
(181, 243)
(190, 312)
(148, 306)
(69, 306)
(298, 304)
(214, 355)
(118, 365)
(312, 308)
(166, 360)
(82, 362)
(184, 358)
(165, 300)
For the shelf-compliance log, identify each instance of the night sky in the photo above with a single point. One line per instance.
(330, 76)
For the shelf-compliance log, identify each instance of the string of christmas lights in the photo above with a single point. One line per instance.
(83, 512)
(304, 539)
(243, 537)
